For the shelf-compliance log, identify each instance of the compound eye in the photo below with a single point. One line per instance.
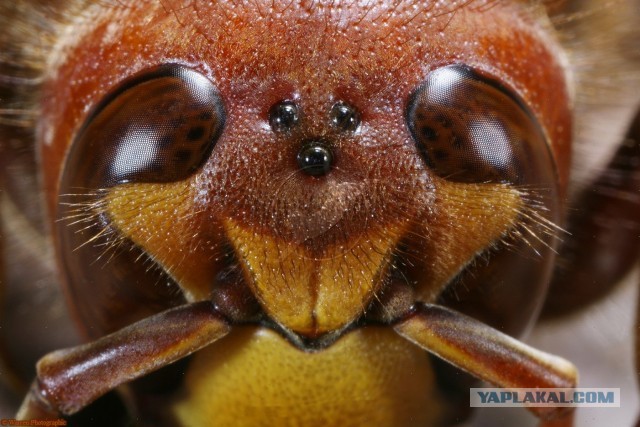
(470, 128)
(159, 126)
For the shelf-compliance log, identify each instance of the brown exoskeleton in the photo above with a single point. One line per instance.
(270, 213)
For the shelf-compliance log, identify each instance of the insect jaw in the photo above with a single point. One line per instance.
(314, 291)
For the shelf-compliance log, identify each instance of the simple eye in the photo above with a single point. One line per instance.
(469, 128)
(284, 116)
(160, 126)
(344, 117)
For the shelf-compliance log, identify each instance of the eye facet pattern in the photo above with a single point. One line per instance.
(469, 128)
(160, 126)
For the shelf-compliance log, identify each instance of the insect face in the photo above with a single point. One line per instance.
(317, 181)
(289, 151)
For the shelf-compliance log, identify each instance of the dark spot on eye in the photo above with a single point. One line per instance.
(467, 167)
(176, 123)
(440, 154)
(205, 116)
(165, 141)
(182, 155)
(156, 168)
(443, 120)
(430, 133)
(195, 133)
